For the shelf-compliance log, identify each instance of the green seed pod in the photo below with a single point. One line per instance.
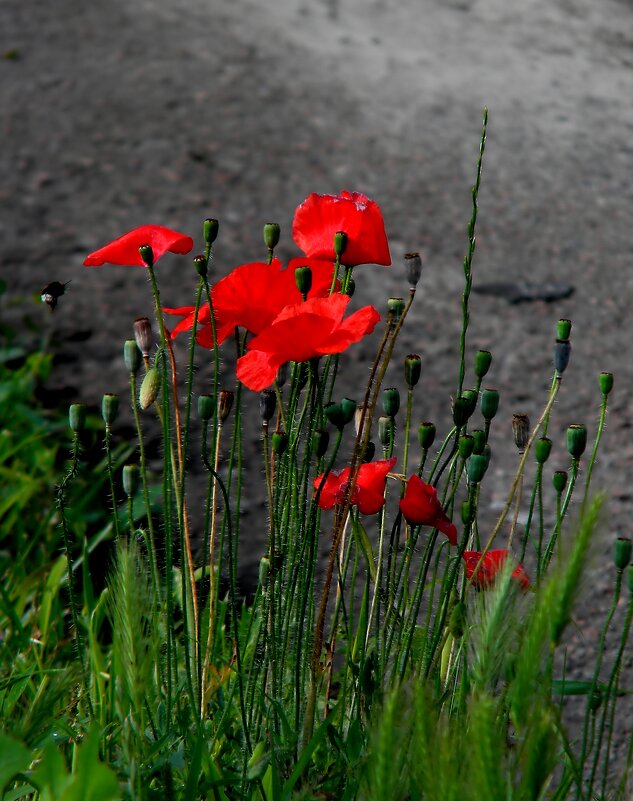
(477, 466)
(479, 438)
(395, 307)
(143, 335)
(622, 552)
(466, 445)
(489, 403)
(272, 232)
(391, 401)
(340, 243)
(348, 410)
(386, 430)
(109, 408)
(559, 480)
(334, 414)
(130, 479)
(149, 388)
(201, 266)
(413, 268)
(131, 355)
(320, 442)
(576, 440)
(225, 404)
(521, 430)
(468, 513)
(461, 411)
(606, 383)
(303, 279)
(279, 441)
(457, 620)
(206, 407)
(563, 330)
(471, 396)
(542, 449)
(412, 369)
(426, 435)
(210, 228)
(267, 404)
(77, 417)
(147, 254)
(562, 352)
(483, 360)
(370, 451)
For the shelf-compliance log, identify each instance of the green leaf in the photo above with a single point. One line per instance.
(14, 758)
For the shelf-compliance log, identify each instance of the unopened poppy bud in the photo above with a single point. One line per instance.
(272, 232)
(147, 254)
(426, 435)
(391, 401)
(320, 442)
(477, 466)
(466, 445)
(334, 414)
(412, 369)
(563, 330)
(303, 279)
(559, 480)
(542, 449)
(282, 374)
(267, 404)
(395, 307)
(489, 403)
(521, 430)
(201, 266)
(479, 440)
(150, 388)
(225, 404)
(622, 552)
(605, 381)
(413, 268)
(350, 288)
(143, 335)
(77, 417)
(576, 439)
(279, 441)
(348, 409)
(483, 360)
(562, 352)
(109, 408)
(131, 355)
(264, 570)
(461, 411)
(468, 513)
(206, 407)
(130, 479)
(340, 243)
(457, 620)
(210, 228)
(386, 430)
(370, 451)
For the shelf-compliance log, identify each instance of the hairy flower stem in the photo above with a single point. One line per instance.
(108, 450)
(560, 515)
(594, 452)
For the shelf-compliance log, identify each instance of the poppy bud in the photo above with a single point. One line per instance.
(340, 243)
(559, 480)
(201, 266)
(334, 414)
(471, 396)
(479, 440)
(413, 268)
(210, 228)
(131, 355)
(395, 307)
(391, 401)
(272, 232)
(466, 445)
(489, 403)
(143, 335)
(461, 411)
(521, 430)
(426, 435)
(606, 383)
(386, 430)
(77, 417)
(147, 254)
(149, 388)
(468, 513)
(562, 352)
(348, 409)
(206, 407)
(264, 570)
(370, 451)
(109, 408)
(350, 288)
(412, 369)
(477, 466)
(267, 404)
(303, 279)
(622, 552)
(282, 374)
(225, 404)
(542, 449)
(457, 620)
(279, 441)
(576, 440)
(320, 442)
(130, 479)
(563, 330)
(483, 360)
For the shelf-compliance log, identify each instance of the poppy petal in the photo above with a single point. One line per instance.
(125, 249)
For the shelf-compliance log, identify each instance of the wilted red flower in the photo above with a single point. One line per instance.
(492, 563)
(124, 250)
(302, 332)
(369, 491)
(252, 295)
(320, 217)
(421, 507)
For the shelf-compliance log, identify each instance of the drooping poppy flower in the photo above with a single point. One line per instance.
(369, 491)
(251, 296)
(124, 250)
(421, 507)
(303, 332)
(320, 217)
(492, 563)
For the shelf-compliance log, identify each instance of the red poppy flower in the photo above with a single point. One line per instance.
(302, 332)
(319, 217)
(124, 250)
(252, 295)
(369, 492)
(421, 507)
(492, 563)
